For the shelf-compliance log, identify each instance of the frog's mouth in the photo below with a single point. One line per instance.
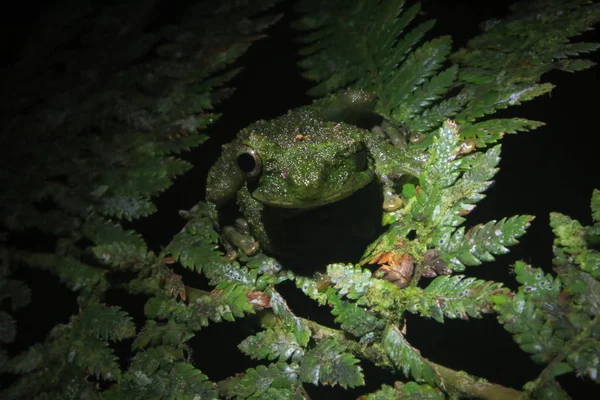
(306, 198)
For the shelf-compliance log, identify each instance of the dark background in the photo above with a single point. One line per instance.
(553, 168)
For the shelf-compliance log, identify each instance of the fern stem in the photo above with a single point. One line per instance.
(454, 381)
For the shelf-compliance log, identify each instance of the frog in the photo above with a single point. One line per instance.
(310, 157)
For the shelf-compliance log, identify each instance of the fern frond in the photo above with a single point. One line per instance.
(76, 275)
(158, 373)
(367, 45)
(154, 334)
(310, 287)
(481, 242)
(72, 352)
(104, 323)
(328, 363)
(272, 344)
(289, 321)
(458, 297)
(103, 232)
(8, 328)
(492, 130)
(195, 246)
(350, 281)
(255, 382)
(15, 290)
(353, 319)
(406, 391)
(503, 65)
(558, 336)
(218, 305)
(407, 358)
(572, 241)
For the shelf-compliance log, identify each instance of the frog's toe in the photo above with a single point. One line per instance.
(244, 241)
(391, 201)
(250, 248)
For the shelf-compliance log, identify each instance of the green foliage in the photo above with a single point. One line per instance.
(503, 65)
(93, 144)
(482, 241)
(106, 134)
(72, 353)
(261, 382)
(218, 305)
(272, 344)
(352, 318)
(160, 373)
(407, 358)
(556, 319)
(410, 390)
(450, 186)
(458, 297)
(290, 321)
(329, 364)
(499, 68)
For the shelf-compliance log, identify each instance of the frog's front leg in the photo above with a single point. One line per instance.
(238, 236)
(252, 210)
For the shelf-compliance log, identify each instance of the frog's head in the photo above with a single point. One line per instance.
(302, 162)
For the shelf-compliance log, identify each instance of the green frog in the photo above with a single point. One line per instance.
(310, 157)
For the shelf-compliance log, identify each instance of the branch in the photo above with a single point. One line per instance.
(458, 382)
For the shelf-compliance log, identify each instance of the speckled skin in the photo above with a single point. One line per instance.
(304, 159)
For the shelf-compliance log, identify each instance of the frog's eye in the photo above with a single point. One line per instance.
(249, 162)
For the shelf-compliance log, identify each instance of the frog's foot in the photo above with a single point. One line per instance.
(391, 200)
(242, 240)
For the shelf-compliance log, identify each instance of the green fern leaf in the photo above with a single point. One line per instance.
(413, 72)
(424, 96)
(484, 101)
(8, 328)
(350, 49)
(406, 391)
(433, 117)
(193, 382)
(481, 242)
(309, 287)
(544, 330)
(218, 305)
(15, 290)
(458, 297)
(353, 319)
(349, 280)
(290, 322)
(328, 363)
(160, 373)
(74, 274)
(513, 53)
(492, 130)
(595, 205)
(272, 344)
(407, 358)
(195, 247)
(101, 232)
(104, 323)
(281, 394)
(122, 255)
(97, 358)
(256, 382)
(155, 334)
(128, 207)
